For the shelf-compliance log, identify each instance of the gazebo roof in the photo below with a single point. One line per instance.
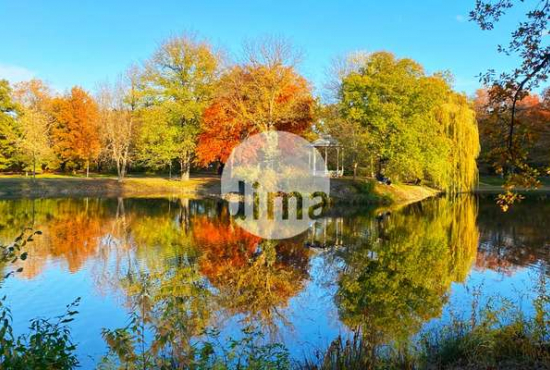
(326, 141)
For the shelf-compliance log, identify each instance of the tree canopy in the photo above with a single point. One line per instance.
(187, 105)
(413, 126)
(260, 95)
(8, 126)
(76, 131)
(178, 80)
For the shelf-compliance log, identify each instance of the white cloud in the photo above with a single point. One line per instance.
(460, 18)
(15, 73)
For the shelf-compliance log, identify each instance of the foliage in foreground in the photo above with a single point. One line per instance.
(48, 345)
(490, 343)
(498, 335)
(247, 352)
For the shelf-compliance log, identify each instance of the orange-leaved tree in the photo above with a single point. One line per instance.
(75, 133)
(531, 137)
(266, 93)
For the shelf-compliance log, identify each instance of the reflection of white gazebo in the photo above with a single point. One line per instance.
(325, 145)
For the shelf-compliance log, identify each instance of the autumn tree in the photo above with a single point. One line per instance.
(413, 126)
(335, 124)
(457, 122)
(76, 131)
(531, 129)
(178, 80)
(34, 144)
(34, 94)
(509, 88)
(118, 119)
(263, 93)
(380, 95)
(8, 126)
(157, 142)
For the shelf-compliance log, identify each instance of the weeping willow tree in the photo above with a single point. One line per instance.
(413, 126)
(460, 127)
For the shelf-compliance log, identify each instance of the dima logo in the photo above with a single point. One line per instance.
(276, 183)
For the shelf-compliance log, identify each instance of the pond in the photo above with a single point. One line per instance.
(402, 271)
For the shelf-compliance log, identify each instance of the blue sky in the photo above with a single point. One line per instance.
(85, 42)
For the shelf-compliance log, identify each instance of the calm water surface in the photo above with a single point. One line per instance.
(402, 272)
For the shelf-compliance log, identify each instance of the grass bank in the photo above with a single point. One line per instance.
(343, 190)
(347, 190)
(60, 186)
(493, 185)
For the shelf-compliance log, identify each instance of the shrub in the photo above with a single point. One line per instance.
(48, 345)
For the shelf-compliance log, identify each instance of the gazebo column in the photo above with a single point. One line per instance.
(337, 161)
(342, 161)
(326, 161)
(314, 162)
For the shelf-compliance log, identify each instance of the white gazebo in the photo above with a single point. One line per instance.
(327, 145)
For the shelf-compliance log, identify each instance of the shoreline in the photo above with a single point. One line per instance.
(12, 187)
(343, 190)
(493, 185)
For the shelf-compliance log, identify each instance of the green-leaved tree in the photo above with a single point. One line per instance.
(8, 126)
(414, 128)
(179, 80)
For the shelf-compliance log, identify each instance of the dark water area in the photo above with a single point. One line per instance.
(403, 271)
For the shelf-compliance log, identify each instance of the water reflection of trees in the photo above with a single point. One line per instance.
(516, 238)
(396, 277)
(123, 237)
(71, 230)
(190, 270)
(253, 277)
(393, 270)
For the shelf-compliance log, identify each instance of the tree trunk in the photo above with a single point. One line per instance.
(355, 170)
(123, 170)
(170, 170)
(118, 171)
(34, 167)
(219, 170)
(87, 169)
(185, 167)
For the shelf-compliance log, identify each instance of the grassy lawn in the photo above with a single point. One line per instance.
(494, 184)
(343, 190)
(58, 185)
(103, 185)
(347, 190)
